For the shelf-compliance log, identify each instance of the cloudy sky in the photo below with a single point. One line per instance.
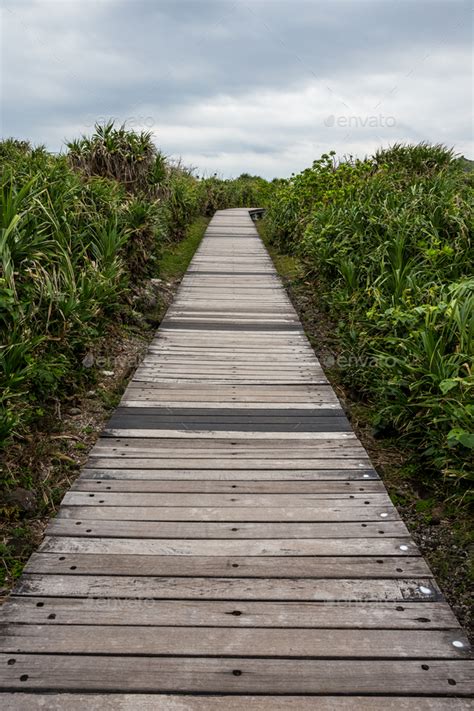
(261, 86)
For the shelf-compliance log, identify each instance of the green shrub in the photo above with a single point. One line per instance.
(389, 241)
(182, 201)
(60, 273)
(128, 157)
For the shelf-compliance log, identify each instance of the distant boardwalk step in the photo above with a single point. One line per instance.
(228, 544)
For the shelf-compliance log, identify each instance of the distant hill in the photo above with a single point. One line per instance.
(468, 165)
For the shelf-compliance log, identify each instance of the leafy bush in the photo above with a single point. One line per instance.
(182, 204)
(389, 241)
(60, 270)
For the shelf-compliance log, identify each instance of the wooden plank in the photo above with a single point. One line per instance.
(402, 589)
(175, 702)
(139, 400)
(400, 547)
(163, 674)
(185, 474)
(223, 566)
(231, 641)
(241, 450)
(203, 486)
(222, 463)
(229, 434)
(283, 414)
(307, 448)
(215, 613)
(184, 425)
(109, 498)
(201, 529)
(198, 456)
(108, 448)
(318, 513)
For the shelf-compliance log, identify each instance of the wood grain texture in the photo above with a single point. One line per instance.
(147, 587)
(215, 613)
(231, 702)
(229, 641)
(236, 675)
(201, 529)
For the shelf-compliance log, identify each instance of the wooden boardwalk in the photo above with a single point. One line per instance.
(229, 544)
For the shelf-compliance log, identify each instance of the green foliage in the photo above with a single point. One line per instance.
(60, 272)
(389, 241)
(128, 157)
(245, 191)
(182, 204)
(144, 222)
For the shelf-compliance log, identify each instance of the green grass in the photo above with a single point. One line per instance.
(176, 257)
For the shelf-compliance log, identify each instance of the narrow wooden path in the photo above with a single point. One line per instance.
(229, 544)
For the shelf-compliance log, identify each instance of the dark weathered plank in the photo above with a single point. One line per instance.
(182, 674)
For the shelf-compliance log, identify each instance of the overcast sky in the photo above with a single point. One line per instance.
(231, 86)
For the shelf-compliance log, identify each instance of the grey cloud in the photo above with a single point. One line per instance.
(176, 64)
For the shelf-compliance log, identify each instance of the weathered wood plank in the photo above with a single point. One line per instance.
(227, 434)
(317, 513)
(164, 674)
(400, 547)
(374, 615)
(337, 500)
(402, 589)
(162, 702)
(233, 486)
(233, 464)
(237, 453)
(201, 529)
(224, 566)
(166, 473)
(228, 641)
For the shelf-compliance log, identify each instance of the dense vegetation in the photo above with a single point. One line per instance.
(78, 233)
(388, 241)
